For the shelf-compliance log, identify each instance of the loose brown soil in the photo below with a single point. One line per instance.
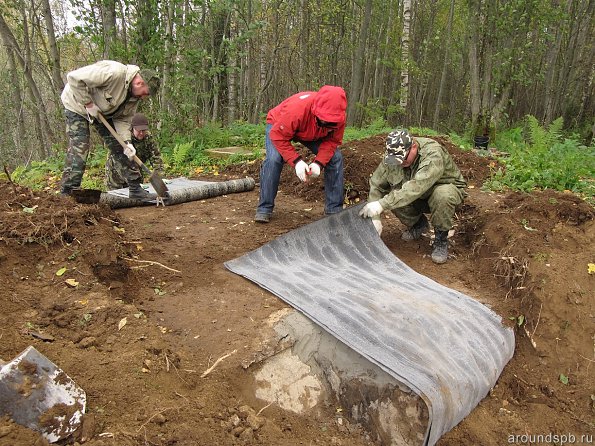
(151, 307)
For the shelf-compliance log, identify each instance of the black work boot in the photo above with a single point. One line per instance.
(415, 231)
(67, 190)
(440, 247)
(136, 191)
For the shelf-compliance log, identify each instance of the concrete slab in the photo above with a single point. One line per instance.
(223, 152)
(303, 366)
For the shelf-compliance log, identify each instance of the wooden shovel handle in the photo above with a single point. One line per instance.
(122, 142)
(112, 131)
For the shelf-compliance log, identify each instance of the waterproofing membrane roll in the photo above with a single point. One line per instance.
(181, 190)
(444, 345)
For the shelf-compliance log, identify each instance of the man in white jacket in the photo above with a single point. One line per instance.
(114, 90)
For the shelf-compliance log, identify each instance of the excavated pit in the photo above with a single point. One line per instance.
(315, 368)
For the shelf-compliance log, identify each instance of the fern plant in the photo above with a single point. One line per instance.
(542, 139)
(181, 152)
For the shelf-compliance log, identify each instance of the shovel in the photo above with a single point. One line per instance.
(154, 178)
(35, 393)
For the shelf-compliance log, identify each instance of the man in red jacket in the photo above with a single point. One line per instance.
(317, 120)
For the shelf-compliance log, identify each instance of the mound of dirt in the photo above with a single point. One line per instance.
(137, 307)
(361, 159)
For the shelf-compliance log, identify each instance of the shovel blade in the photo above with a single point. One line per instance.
(35, 393)
(158, 184)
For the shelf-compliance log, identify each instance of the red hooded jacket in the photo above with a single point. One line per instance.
(295, 119)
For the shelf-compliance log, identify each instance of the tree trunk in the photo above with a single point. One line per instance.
(144, 30)
(232, 74)
(474, 81)
(404, 94)
(303, 42)
(108, 12)
(42, 126)
(55, 67)
(549, 106)
(17, 99)
(444, 65)
(166, 103)
(355, 89)
(124, 14)
(385, 53)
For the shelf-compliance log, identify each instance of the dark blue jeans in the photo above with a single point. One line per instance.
(270, 173)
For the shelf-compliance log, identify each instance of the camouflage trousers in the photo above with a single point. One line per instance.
(115, 178)
(440, 200)
(78, 131)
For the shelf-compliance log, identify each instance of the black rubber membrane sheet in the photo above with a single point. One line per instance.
(181, 190)
(445, 346)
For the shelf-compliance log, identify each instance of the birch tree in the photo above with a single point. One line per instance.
(404, 92)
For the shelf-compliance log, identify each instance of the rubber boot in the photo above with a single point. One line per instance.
(136, 191)
(415, 231)
(66, 191)
(440, 247)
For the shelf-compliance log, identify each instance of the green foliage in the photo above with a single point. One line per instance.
(425, 131)
(190, 152)
(48, 173)
(245, 134)
(510, 140)
(36, 175)
(537, 157)
(461, 142)
(540, 137)
(545, 161)
(181, 152)
(376, 127)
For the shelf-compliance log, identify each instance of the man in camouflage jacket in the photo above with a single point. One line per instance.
(146, 150)
(114, 90)
(417, 176)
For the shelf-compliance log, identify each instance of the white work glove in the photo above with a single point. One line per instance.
(378, 226)
(92, 110)
(371, 209)
(130, 151)
(314, 170)
(302, 170)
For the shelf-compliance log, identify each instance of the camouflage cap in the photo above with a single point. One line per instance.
(398, 144)
(151, 78)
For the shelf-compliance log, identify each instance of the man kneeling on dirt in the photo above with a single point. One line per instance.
(317, 120)
(114, 90)
(416, 176)
(146, 150)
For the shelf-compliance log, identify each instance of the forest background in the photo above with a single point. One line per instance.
(469, 67)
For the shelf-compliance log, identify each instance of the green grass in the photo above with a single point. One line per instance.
(377, 127)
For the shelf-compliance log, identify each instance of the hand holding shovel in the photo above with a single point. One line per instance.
(154, 178)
